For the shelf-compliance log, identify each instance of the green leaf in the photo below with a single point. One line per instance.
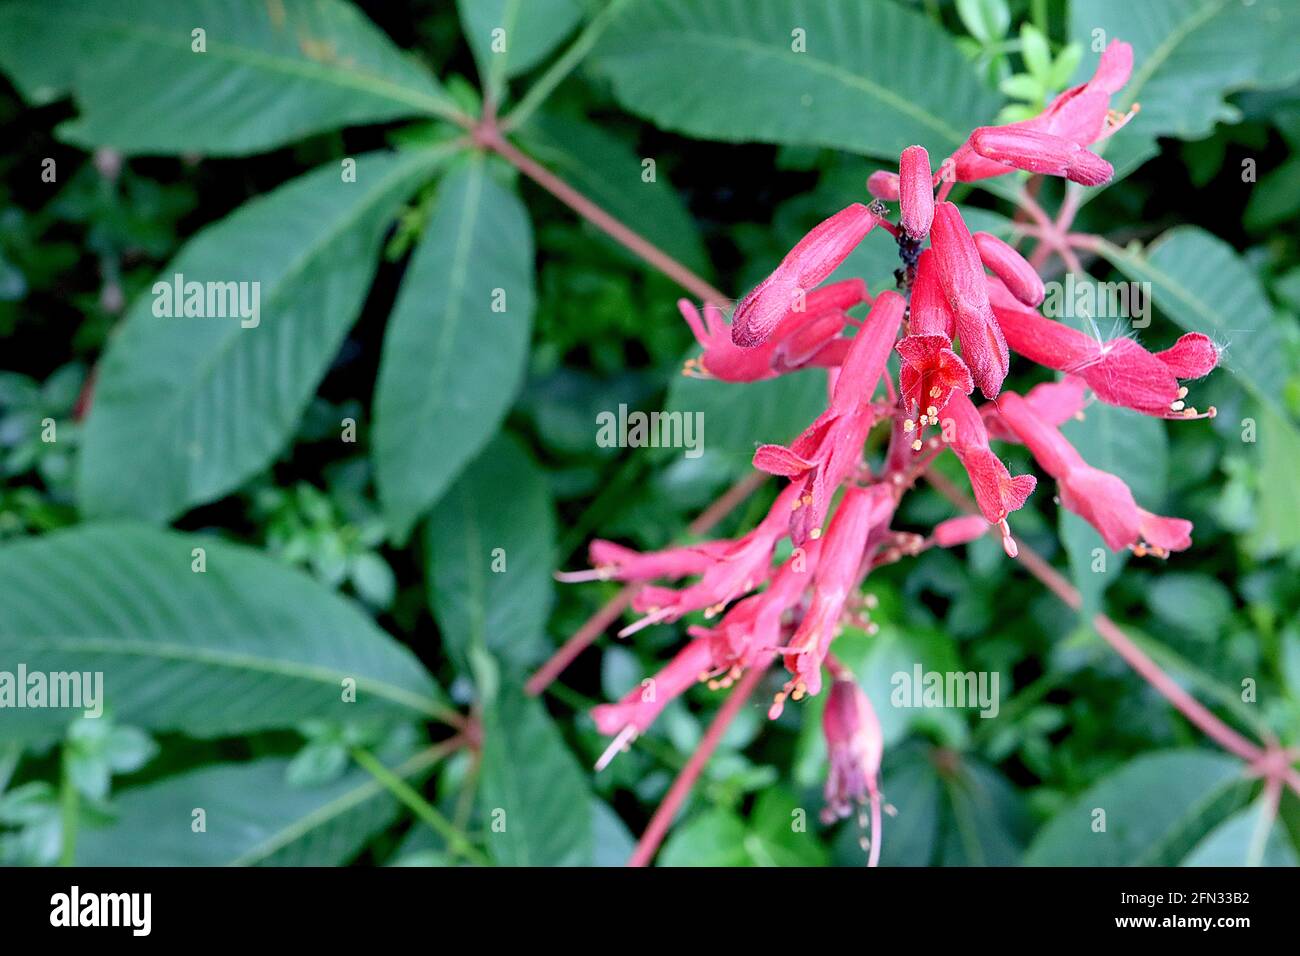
(187, 408)
(491, 553)
(713, 838)
(272, 72)
(1250, 837)
(986, 20)
(509, 37)
(1276, 199)
(873, 77)
(1132, 446)
(535, 798)
(605, 170)
(246, 645)
(1035, 52)
(614, 844)
(1191, 602)
(783, 833)
(1188, 55)
(984, 820)
(457, 342)
(253, 816)
(1200, 283)
(952, 810)
(1157, 807)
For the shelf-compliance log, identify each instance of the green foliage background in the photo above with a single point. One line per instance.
(328, 561)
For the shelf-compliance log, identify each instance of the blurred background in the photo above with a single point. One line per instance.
(287, 780)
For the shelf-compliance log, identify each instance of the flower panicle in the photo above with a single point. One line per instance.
(966, 303)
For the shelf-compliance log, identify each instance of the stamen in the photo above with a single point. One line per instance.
(577, 577)
(916, 445)
(620, 743)
(778, 705)
(1008, 542)
(654, 617)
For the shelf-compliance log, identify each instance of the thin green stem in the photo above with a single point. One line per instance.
(567, 62)
(70, 808)
(1039, 15)
(457, 840)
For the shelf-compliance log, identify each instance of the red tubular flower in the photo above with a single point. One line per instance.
(1016, 274)
(1119, 371)
(830, 449)
(931, 371)
(610, 561)
(915, 191)
(807, 265)
(804, 336)
(1053, 402)
(739, 568)
(642, 704)
(961, 279)
(855, 747)
(1193, 356)
(1081, 115)
(883, 184)
(750, 632)
(960, 530)
(1100, 498)
(996, 492)
(836, 578)
(1039, 152)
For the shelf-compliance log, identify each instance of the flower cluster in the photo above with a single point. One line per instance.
(967, 303)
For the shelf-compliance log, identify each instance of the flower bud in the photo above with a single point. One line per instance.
(916, 191)
(1020, 278)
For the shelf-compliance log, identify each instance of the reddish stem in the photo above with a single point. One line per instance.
(490, 137)
(1110, 632)
(655, 831)
(609, 612)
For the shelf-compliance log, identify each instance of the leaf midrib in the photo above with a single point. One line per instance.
(1166, 48)
(457, 279)
(805, 60)
(246, 663)
(328, 811)
(333, 75)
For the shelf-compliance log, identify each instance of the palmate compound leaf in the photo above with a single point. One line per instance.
(864, 75)
(270, 72)
(246, 644)
(456, 344)
(187, 408)
(1150, 812)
